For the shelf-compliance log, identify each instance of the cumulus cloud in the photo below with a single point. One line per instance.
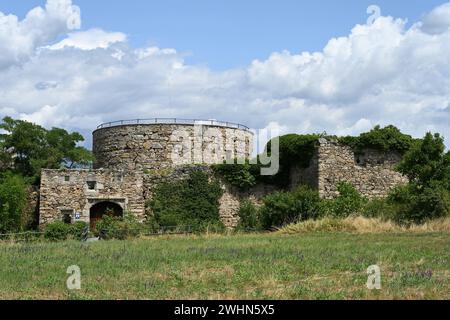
(437, 21)
(19, 39)
(383, 73)
(89, 40)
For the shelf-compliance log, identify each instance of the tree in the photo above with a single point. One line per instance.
(427, 163)
(428, 168)
(13, 199)
(26, 148)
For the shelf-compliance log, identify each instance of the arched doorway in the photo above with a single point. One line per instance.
(100, 209)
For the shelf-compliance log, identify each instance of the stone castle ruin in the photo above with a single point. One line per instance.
(131, 157)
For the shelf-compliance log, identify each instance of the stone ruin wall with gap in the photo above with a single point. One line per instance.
(372, 172)
(138, 157)
(231, 198)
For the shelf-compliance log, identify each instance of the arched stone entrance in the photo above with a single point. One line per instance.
(102, 208)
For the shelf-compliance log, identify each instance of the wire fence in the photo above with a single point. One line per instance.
(86, 233)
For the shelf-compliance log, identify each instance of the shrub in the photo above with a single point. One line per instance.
(57, 231)
(111, 227)
(388, 138)
(427, 195)
(380, 208)
(78, 229)
(13, 200)
(349, 201)
(193, 201)
(282, 208)
(418, 206)
(249, 219)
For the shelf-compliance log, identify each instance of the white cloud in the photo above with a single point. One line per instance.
(383, 73)
(19, 39)
(437, 21)
(89, 40)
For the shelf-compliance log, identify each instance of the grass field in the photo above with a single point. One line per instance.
(266, 266)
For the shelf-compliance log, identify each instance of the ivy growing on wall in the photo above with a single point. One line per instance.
(193, 201)
(294, 149)
(298, 150)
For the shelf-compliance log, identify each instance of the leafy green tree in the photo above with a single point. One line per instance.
(13, 199)
(427, 162)
(428, 193)
(26, 148)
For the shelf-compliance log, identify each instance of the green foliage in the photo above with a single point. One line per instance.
(298, 150)
(60, 231)
(193, 201)
(418, 206)
(426, 163)
(388, 138)
(26, 148)
(380, 208)
(78, 229)
(121, 228)
(427, 195)
(349, 201)
(249, 218)
(13, 200)
(282, 208)
(57, 231)
(294, 149)
(243, 176)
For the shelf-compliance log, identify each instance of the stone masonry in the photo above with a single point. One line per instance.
(74, 192)
(158, 146)
(132, 159)
(371, 172)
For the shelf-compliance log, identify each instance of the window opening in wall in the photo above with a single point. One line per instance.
(91, 185)
(67, 216)
(67, 178)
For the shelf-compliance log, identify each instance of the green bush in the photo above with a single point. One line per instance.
(120, 228)
(388, 138)
(78, 229)
(349, 201)
(282, 208)
(193, 201)
(13, 199)
(249, 219)
(57, 231)
(427, 195)
(418, 206)
(380, 208)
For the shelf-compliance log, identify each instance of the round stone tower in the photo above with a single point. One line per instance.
(164, 143)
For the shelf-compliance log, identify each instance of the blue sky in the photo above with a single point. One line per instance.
(232, 33)
(300, 67)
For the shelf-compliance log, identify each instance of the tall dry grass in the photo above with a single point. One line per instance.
(363, 225)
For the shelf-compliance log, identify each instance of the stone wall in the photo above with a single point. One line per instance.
(68, 190)
(230, 201)
(372, 172)
(78, 190)
(158, 146)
